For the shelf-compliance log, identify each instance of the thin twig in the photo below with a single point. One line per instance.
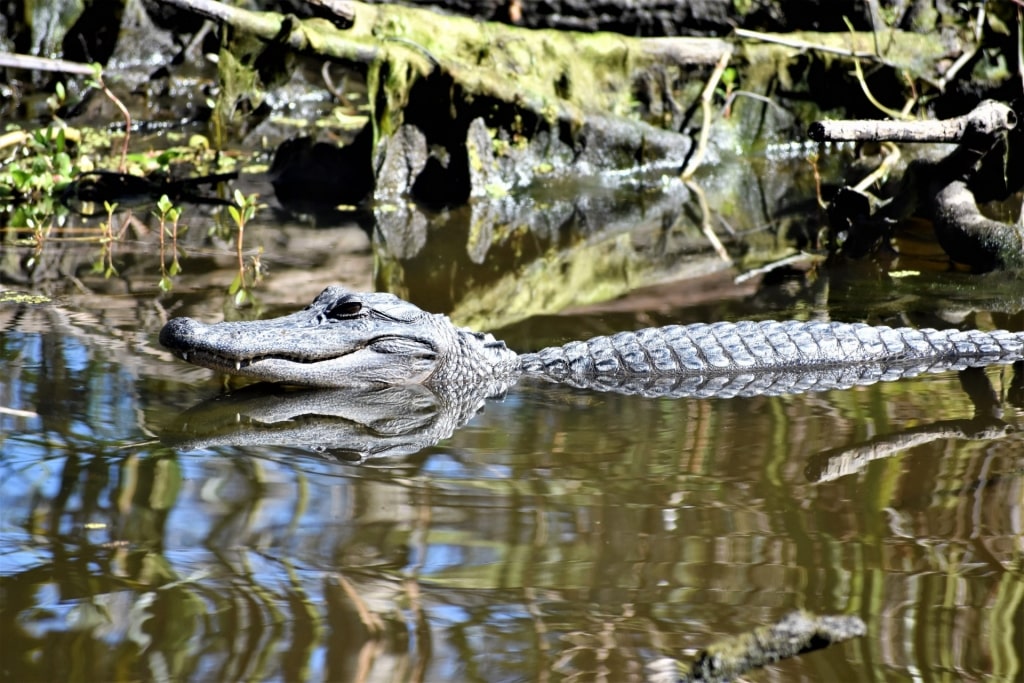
(754, 96)
(812, 159)
(122, 165)
(967, 55)
(892, 113)
(705, 105)
(953, 70)
(801, 44)
(33, 63)
(14, 412)
(798, 257)
(879, 174)
(1020, 42)
(705, 221)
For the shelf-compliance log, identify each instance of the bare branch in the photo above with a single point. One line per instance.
(987, 118)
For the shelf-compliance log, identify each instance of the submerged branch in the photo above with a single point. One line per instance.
(796, 633)
(971, 237)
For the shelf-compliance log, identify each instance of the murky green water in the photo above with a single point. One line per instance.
(559, 535)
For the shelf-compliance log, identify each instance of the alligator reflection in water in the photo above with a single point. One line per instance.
(385, 423)
(351, 424)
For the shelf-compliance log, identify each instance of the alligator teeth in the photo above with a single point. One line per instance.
(184, 356)
(238, 365)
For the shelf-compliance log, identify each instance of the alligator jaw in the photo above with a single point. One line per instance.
(366, 366)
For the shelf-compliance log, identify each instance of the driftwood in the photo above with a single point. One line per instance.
(986, 159)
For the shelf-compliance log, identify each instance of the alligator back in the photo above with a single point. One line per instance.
(768, 357)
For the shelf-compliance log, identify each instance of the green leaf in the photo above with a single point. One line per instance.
(63, 162)
(235, 216)
(165, 284)
(164, 204)
(21, 178)
(239, 197)
(241, 297)
(167, 156)
(236, 284)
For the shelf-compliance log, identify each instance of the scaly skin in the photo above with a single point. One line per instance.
(346, 339)
(769, 357)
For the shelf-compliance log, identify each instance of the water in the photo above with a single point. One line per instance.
(559, 535)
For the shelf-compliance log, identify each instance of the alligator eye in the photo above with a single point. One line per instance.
(344, 309)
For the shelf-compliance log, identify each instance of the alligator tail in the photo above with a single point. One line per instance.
(766, 357)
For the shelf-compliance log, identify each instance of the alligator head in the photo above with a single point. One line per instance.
(346, 338)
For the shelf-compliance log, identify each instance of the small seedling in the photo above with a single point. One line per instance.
(242, 211)
(166, 213)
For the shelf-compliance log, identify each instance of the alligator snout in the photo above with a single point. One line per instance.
(177, 332)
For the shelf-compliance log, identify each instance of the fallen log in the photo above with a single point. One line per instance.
(671, 17)
(555, 75)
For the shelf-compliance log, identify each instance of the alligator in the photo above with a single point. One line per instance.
(350, 339)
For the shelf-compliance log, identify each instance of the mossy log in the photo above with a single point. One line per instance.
(555, 75)
(695, 17)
